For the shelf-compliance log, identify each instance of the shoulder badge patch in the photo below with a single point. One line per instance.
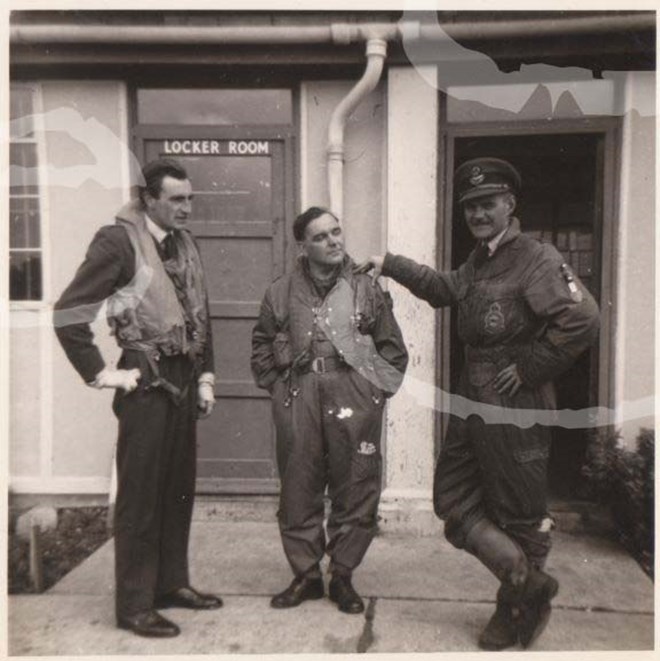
(573, 289)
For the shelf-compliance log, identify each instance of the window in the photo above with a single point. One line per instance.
(526, 101)
(25, 258)
(214, 106)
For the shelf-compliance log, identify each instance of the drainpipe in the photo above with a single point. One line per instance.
(376, 52)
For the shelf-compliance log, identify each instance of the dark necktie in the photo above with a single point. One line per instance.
(480, 254)
(169, 249)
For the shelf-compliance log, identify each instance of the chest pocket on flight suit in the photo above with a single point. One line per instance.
(498, 314)
(492, 317)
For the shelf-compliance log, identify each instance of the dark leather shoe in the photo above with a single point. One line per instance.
(342, 593)
(301, 589)
(188, 598)
(535, 607)
(149, 624)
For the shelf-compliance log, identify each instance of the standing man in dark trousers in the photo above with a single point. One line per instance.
(330, 352)
(524, 318)
(148, 268)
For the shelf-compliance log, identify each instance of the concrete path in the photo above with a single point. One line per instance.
(422, 596)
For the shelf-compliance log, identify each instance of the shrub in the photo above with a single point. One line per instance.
(623, 480)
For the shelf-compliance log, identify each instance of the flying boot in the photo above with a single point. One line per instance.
(535, 606)
(507, 561)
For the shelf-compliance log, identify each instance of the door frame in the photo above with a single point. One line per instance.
(608, 164)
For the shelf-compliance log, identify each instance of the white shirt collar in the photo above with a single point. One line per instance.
(157, 232)
(495, 241)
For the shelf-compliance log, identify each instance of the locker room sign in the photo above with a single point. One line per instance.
(216, 147)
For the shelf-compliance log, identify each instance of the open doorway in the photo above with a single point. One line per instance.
(560, 202)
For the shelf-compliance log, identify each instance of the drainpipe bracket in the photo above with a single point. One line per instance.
(377, 47)
(335, 153)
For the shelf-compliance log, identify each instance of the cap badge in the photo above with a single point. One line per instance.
(477, 176)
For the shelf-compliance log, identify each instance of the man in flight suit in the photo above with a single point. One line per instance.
(148, 268)
(524, 318)
(329, 350)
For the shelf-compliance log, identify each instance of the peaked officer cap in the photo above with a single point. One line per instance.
(485, 176)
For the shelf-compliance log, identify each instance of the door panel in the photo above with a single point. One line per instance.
(238, 213)
(238, 443)
(239, 269)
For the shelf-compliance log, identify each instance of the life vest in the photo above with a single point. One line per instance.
(149, 314)
(345, 316)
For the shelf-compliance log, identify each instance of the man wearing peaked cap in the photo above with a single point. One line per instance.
(523, 318)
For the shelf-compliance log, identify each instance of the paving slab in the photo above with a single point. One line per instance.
(594, 572)
(84, 625)
(232, 558)
(435, 626)
(598, 573)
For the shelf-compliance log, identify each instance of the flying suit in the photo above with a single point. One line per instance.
(522, 305)
(329, 361)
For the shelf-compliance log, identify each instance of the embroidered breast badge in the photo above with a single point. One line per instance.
(494, 319)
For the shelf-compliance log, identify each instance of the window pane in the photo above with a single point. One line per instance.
(25, 276)
(23, 169)
(24, 222)
(231, 188)
(21, 106)
(511, 103)
(204, 106)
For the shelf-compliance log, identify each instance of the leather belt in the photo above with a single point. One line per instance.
(492, 354)
(324, 364)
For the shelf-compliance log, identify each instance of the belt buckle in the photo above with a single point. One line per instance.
(318, 365)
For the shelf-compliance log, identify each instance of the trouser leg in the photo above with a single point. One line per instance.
(144, 417)
(352, 419)
(178, 497)
(301, 465)
(458, 494)
(514, 465)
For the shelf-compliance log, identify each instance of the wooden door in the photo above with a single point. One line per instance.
(238, 219)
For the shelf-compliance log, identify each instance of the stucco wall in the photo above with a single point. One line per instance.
(26, 397)
(85, 183)
(635, 329)
(364, 143)
(412, 231)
